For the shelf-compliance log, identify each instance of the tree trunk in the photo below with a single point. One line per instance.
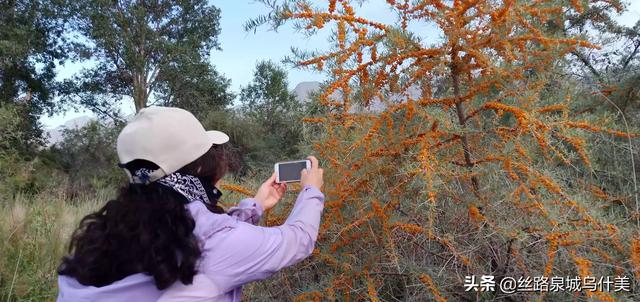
(139, 91)
(455, 77)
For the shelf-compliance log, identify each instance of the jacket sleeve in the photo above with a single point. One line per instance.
(244, 252)
(248, 210)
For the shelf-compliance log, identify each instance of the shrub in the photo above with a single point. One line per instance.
(88, 158)
(475, 164)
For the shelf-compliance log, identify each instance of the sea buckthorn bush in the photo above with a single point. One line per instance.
(457, 157)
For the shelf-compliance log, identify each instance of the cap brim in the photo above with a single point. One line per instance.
(217, 137)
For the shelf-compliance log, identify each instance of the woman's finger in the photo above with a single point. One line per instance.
(272, 179)
(314, 161)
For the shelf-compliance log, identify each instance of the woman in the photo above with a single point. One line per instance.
(164, 237)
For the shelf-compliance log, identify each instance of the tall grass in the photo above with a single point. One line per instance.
(34, 231)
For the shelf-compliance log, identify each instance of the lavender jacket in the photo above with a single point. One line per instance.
(234, 252)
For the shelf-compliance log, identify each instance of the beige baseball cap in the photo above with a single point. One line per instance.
(166, 136)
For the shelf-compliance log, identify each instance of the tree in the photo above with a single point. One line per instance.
(147, 51)
(275, 112)
(200, 90)
(483, 171)
(30, 46)
(20, 132)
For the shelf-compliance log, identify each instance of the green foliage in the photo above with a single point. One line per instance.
(240, 130)
(85, 161)
(20, 176)
(20, 132)
(146, 51)
(88, 157)
(200, 90)
(21, 168)
(30, 44)
(266, 127)
(274, 114)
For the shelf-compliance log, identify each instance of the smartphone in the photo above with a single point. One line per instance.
(291, 171)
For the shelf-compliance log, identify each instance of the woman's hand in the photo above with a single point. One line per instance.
(313, 177)
(270, 192)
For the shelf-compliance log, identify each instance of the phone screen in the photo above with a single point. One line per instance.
(291, 171)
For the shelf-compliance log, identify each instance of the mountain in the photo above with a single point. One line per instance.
(303, 89)
(55, 135)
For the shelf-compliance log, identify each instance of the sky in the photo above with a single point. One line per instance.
(242, 50)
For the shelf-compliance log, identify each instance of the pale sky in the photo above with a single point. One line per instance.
(241, 50)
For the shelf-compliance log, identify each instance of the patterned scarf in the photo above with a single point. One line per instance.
(191, 187)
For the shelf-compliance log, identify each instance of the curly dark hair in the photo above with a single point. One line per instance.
(145, 229)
